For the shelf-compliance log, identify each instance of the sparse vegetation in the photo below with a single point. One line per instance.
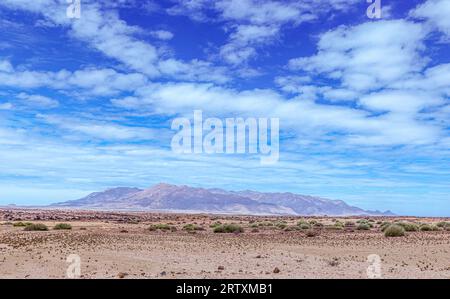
(215, 224)
(62, 226)
(394, 230)
(428, 228)
(409, 227)
(228, 228)
(36, 227)
(19, 224)
(292, 228)
(192, 227)
(318, 224)
(363, 226)
(161, 226)
(305, 226)
(443, 224)
(349, 224)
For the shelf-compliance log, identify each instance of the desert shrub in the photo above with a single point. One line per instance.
(334, 227)
(192, 227)
(36, 227)
(349, 223)
(409, 227)
(161, 226)
(318, 224)
(62, 226)
(215, 224)
(363, 226)
(313, 222)
(428, 228)
(385, 225)
(304, 226)
(394, 230)
(443, 224)
(338, 225)
(362, 221)
(371, 220)
(19, 224)
(302, 221)
(281, 225)
(292, 228)
(229, 228)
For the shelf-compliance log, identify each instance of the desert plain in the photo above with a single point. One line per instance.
(126, 245)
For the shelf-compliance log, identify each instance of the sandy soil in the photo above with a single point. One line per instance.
(119, 245)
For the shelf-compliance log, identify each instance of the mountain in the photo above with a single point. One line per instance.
(165, 197)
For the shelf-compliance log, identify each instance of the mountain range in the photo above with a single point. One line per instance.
(171, 198)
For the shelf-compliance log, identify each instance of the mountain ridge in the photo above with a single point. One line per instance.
(174, 198)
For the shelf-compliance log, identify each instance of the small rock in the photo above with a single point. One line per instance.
(163, 273)
(221, 268)
(276, 270)
(122, 275)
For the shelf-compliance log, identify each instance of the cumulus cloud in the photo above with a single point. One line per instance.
(38, 101)
(92, 80)
(368, 56)
(162, 34)
(437, 13)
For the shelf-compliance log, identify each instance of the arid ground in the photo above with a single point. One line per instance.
(156, 245)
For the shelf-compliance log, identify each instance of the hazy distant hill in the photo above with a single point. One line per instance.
(165, 197)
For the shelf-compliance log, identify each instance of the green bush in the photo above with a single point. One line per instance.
(228, 228)
(363, 226)
(443, 224)
(409, 227)
(304, 226)
(215, 224)
(19, 224)
(301, 221)
(394, 230)
(36, 227)
(385, 225)
(192, 227)
(62, 226)
(292, 228)
(349, 223)
(428, 228)
(161, 226)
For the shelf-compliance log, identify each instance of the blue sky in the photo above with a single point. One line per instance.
(87, 104)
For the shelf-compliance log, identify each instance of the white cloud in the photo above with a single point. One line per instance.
(368, 56)
(6, 106)
(162, 34)
(99, 129)
(90, 80)
(38, 100)
(107, 33)
(436, 12)
(253, 24)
